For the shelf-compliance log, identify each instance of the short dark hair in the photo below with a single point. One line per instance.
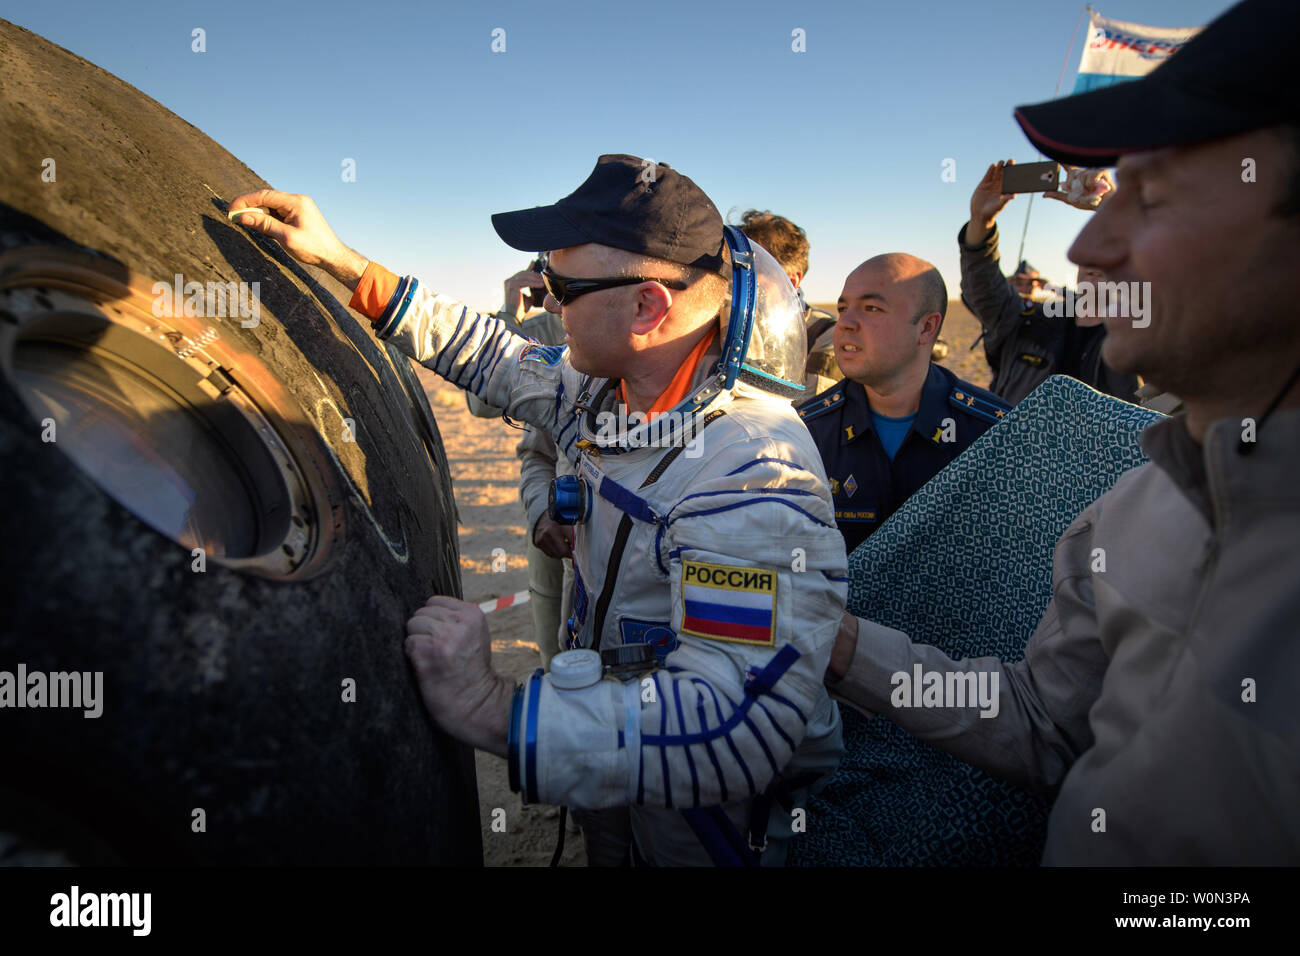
(787, 243)
(934, 295)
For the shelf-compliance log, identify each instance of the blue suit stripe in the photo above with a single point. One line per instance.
(663, 739)
(753, 501)
(741, 491)
(782, 700)
(559, 403)
(640, 777)
(708, 746)
(489, 356)
(530, 737)
(731, 744)
(762, 743)
(455, 349)
(448, 355)
(760, 682)
(779, 461)
(779, 729)
(559, 436)
(473, 367)
(690, 761)
(663, 750)
(501, 353)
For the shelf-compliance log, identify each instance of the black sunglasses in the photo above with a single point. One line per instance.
(564, 289)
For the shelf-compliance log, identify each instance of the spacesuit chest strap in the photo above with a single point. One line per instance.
(629, 502)
(625, 528)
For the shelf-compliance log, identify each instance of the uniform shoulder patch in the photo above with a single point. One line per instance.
(830, 399)
(979, 403)
(658, 634)
(544, 354)
(724, 602)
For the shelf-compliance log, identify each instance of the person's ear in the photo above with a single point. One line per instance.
(652, 304)
(795, 278)
(928, 328)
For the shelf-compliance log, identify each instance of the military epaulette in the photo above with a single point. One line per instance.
(988, 407)
(833, 397)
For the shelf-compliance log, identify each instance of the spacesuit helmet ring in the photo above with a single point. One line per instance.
(763, 331)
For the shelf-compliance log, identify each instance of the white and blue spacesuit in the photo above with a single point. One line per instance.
(707, 534)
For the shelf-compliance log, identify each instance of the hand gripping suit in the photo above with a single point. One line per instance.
(732, 568)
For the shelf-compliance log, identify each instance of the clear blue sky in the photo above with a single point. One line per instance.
(847, 139)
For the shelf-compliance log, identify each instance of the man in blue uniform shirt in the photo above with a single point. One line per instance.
(896, 418)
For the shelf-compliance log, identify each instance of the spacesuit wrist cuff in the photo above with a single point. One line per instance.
(512, 737)
(521, 738)
(388, 321)
(374, 291)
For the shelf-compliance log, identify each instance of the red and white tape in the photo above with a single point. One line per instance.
(519, 597)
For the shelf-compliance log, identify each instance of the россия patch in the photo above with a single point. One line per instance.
(724, 602)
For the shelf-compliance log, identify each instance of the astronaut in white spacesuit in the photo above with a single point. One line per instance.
(710, 577)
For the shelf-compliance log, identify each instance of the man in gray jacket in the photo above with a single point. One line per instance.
(1158, 694)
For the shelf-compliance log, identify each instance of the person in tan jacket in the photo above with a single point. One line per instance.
(1158, 695)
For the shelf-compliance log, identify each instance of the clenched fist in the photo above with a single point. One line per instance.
(450, 648)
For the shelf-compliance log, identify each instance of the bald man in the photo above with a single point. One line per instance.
(896, 418)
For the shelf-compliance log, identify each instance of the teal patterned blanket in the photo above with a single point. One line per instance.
(966, 566)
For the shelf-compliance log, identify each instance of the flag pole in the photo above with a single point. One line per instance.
(1020, 256)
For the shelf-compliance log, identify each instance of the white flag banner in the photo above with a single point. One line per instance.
(1115, 50)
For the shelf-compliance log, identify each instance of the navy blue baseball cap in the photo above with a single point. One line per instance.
(1234, 76)
(627, 203)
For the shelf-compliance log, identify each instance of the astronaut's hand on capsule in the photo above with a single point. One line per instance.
(450, 648)
(294, 221)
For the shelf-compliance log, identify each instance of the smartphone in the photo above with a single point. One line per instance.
(538, 295)
(1030, 177)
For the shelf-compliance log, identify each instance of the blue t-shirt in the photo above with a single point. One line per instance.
(892, 431)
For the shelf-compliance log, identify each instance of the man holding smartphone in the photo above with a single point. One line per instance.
(1023, 343)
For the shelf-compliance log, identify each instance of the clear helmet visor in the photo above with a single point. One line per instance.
(777, 352)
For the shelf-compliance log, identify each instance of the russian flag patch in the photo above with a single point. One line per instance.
(727, 603)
